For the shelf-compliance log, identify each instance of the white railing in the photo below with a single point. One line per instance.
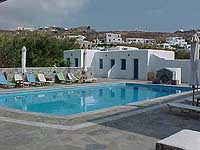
(112, 73)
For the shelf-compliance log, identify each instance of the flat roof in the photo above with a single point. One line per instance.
(115, 51)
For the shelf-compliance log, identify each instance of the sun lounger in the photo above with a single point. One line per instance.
(72, 78)
(61, 78)
(196, 101)
(90, 80)
(183, 140)
(183, 107)
(42, 79)
(85, 79)
(4, 82)
(31, 79)
(19, 80)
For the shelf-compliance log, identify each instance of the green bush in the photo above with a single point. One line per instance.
(43, 50)
(182, 54)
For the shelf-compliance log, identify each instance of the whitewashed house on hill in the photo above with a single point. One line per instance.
(112, 38)
(140, 41)
(81, 40)
(176, 41)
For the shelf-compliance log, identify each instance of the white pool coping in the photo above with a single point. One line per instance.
(77, 126)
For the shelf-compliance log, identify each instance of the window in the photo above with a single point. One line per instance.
(76, 62)
(123, 64)
(112, 63)
(100, 63)
(68, 59)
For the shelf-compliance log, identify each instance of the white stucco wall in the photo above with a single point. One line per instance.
(90, 55)
(149, 61)
(141, 55)
(157, 63)
(168, 55)
(72, 54)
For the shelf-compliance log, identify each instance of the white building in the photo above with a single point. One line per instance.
(117, 64)
(176, 41)
(97, 42)
(140, 41)
(149, 41)
(112, 38)
(84, 44)
(167, 46)
(76, 57)
(24, 29)
(80, 39)
(134, 40)
(127, 63)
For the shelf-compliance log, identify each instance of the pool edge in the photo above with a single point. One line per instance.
(121, 107)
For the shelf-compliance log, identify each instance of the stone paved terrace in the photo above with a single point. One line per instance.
(139, 128)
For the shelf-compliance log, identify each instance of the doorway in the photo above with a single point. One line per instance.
(136, 69)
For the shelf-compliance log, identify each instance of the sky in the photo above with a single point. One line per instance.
(102, 15)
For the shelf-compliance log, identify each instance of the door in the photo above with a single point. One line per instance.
(136, 68)
(112, 63)
(76, 62)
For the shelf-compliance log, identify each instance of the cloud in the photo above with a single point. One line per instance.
(38, 12)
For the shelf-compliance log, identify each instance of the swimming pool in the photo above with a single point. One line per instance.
(74, 100)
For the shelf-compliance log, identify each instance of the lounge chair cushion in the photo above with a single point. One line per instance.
(4, 81)
(31, 78)
(184, 106)
(72, 78)
(42, 78)
(18, 77)
(61, 77)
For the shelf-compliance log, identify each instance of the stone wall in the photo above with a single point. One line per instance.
(47, 71)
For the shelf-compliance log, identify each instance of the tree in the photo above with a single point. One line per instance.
(43, 50)
(182, 54)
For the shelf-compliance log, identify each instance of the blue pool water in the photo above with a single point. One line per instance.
(69, 101)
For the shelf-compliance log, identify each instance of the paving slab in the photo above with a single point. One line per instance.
(138, 131)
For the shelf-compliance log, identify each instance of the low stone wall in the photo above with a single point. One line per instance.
(47, 71)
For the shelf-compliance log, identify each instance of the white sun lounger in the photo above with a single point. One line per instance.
(72, 78)
(90, 80)
(183, 140)
(42, 79)
(19, 80)
(183, 107)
